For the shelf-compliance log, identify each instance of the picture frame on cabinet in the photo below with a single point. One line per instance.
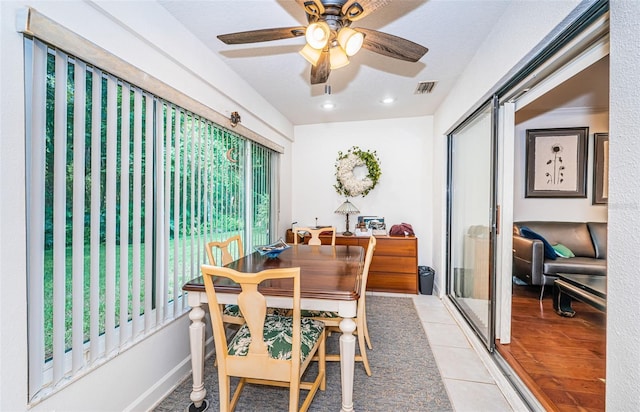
(371, 222)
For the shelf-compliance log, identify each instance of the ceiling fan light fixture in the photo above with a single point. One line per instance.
(350, 40)
(317, 34)
(337, 58)
(310, 54)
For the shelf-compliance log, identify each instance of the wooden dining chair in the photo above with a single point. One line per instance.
(230, 313)
(315, 234)
(225, 247)
(332, 319)
(268, 349)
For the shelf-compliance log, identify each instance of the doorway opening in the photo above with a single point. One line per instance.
(566, 87)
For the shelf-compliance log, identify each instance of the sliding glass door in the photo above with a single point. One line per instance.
(472, 219)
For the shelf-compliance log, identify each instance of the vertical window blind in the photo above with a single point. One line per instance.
(124, 191)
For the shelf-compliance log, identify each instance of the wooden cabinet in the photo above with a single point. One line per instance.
(395, 262)
(395, 265)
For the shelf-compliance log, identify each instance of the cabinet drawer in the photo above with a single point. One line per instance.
(396, 282)
(394, 264)
(342, 240)
(396, 247)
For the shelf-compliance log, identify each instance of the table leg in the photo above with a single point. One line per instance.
(196, 340)
(562, 303)
(347, 361)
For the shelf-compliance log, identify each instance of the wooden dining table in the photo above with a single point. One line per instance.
(330, 279)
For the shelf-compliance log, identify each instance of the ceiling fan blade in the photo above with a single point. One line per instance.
(357, 9)
(312, 7)
(320, 72)
(255, 36)
(392, 46)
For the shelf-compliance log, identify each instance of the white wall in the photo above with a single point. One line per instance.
(517, 38)
(136, 32)
(403, 193)
(502, 50)
(623, 295)
(559, 209)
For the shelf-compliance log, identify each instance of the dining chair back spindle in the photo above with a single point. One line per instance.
(267, 349)
(225, 248)
(315, 234)
(230, 313)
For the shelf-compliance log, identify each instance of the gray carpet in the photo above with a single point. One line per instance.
(405, 376)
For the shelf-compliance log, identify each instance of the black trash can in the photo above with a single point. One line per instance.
(425, 278)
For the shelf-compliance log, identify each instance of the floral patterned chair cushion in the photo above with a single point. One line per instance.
(278, 331)
(319, 314)
(234, 310)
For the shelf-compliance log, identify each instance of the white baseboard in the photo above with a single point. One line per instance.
(151, 398)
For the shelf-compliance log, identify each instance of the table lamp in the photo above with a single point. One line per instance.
(346, 208)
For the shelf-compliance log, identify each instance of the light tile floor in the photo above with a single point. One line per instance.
(471, 385)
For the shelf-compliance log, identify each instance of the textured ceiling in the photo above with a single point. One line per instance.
(452, 30)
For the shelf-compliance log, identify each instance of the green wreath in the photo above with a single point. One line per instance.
(347, 184)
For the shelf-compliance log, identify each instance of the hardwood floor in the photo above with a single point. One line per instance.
(561, 360)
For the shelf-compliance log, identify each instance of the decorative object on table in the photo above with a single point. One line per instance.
(556, 162)
(362, 231)
(379, 232)
(347, 183)
(378, 227)
(274, 249)
(377, 224)
(347, 208)
(601, 168)
(368, 220)
(403, 229)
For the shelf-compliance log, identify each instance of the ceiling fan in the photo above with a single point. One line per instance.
(331, 40)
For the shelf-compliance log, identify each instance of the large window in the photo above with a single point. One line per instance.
(124, 189)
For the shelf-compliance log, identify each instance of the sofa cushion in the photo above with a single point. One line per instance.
(549, 252)
(563, 251)
(574, 235)
(598, 231)
(583, 265)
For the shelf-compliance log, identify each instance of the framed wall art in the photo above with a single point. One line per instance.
(557, 162)
(600, 168)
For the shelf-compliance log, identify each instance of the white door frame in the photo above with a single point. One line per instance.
(585, 50)
(504, 241)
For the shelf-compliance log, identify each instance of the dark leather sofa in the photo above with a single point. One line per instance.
(587, 240)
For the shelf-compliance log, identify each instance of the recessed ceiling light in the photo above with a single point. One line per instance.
(328, 105)
(388, 100)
